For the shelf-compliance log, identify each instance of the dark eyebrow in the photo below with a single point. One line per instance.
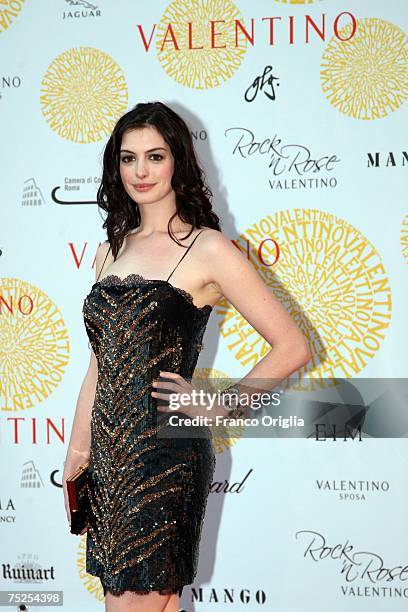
(149, 151)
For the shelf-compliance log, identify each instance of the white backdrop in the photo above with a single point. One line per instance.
(311, 158)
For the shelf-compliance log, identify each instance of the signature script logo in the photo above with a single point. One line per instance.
(265, 83)
(357, 564)
(294, 158)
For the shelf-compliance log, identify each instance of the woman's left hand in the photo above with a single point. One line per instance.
(178, 385)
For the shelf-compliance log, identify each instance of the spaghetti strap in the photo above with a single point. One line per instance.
(104, 261)
(185, 253)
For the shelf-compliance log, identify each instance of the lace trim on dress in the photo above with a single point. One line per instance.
(132, 278)
(119, 592)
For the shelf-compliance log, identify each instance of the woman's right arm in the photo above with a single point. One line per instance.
(80, 441)
(79, 445)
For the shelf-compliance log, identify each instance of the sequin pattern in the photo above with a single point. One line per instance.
(147, 494)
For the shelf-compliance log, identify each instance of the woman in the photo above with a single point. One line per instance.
(148, 492)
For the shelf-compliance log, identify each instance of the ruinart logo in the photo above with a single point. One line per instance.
(34, 345)
(27, 570)
(367, 78)
(83, 93)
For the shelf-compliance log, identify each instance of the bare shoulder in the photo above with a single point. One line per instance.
(212, 240)
(102, 251)
(103, 257)
(214, 247)
(217, 247)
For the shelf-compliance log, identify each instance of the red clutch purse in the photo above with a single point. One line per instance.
(78, 498)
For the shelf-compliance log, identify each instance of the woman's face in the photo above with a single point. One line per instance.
(146, 165)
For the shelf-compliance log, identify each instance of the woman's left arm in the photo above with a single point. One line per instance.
(244, 289)
(227, 268)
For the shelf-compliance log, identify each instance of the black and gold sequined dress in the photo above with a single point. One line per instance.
(148, 493)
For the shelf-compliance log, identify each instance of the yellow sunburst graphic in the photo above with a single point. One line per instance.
(332, 282)
(366, 77)
(205, 67)
(404, 238)
(298, 1)
(83, 94)
(92, 583)
(34, 345)
(9, 10)
(206, 379)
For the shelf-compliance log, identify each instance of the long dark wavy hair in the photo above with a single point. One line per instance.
(193, 196)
